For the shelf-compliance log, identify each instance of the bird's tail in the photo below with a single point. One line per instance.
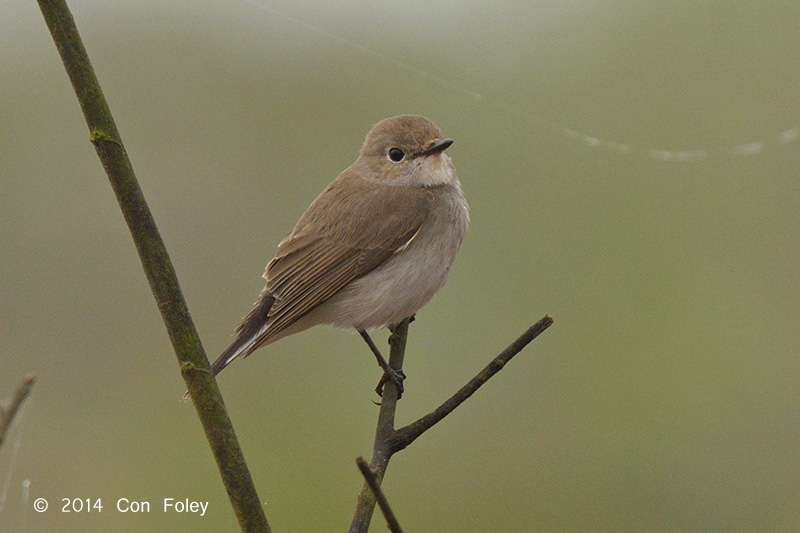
(249, 334)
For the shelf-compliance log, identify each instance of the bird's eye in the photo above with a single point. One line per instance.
(396, 154)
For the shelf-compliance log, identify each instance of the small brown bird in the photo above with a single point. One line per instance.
(372, 249)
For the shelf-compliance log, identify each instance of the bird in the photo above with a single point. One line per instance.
(371, 250)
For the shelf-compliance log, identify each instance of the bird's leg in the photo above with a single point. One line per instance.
(389, 373)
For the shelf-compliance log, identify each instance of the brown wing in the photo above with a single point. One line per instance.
(323, 253)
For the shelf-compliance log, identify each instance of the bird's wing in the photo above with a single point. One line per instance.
(323, 254)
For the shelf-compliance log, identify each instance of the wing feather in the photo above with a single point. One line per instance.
(323, 253)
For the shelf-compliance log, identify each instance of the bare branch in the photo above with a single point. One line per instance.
(157, 267)
(7, 415)
(389, 441)
(375, 486)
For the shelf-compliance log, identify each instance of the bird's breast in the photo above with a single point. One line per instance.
(408, 280)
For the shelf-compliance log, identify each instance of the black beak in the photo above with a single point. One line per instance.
(438, 146)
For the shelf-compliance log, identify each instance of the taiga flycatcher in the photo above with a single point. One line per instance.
(372, 249)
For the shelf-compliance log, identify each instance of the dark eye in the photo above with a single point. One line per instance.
(396, 154)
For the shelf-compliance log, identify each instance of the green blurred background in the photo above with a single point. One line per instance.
(666, 396)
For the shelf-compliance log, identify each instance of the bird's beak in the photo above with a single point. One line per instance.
(438, 146)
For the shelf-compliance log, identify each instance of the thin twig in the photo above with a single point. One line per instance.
(7, 415)
(408, 434)
(158, 268)
(383, 503)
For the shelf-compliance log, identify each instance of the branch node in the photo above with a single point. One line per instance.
(189, 366)
(98, 136)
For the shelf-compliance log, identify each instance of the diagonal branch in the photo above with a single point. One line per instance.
(369, 476)
(157, 267)
(408, 434)
(7, 415)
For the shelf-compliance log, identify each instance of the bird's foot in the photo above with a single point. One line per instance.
(395, 376)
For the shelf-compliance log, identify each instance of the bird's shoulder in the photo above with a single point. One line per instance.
(363, 213)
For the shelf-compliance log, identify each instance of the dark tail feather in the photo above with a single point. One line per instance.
(248, 333)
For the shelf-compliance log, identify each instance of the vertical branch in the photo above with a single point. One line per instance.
(381, 453)
(157, 267)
